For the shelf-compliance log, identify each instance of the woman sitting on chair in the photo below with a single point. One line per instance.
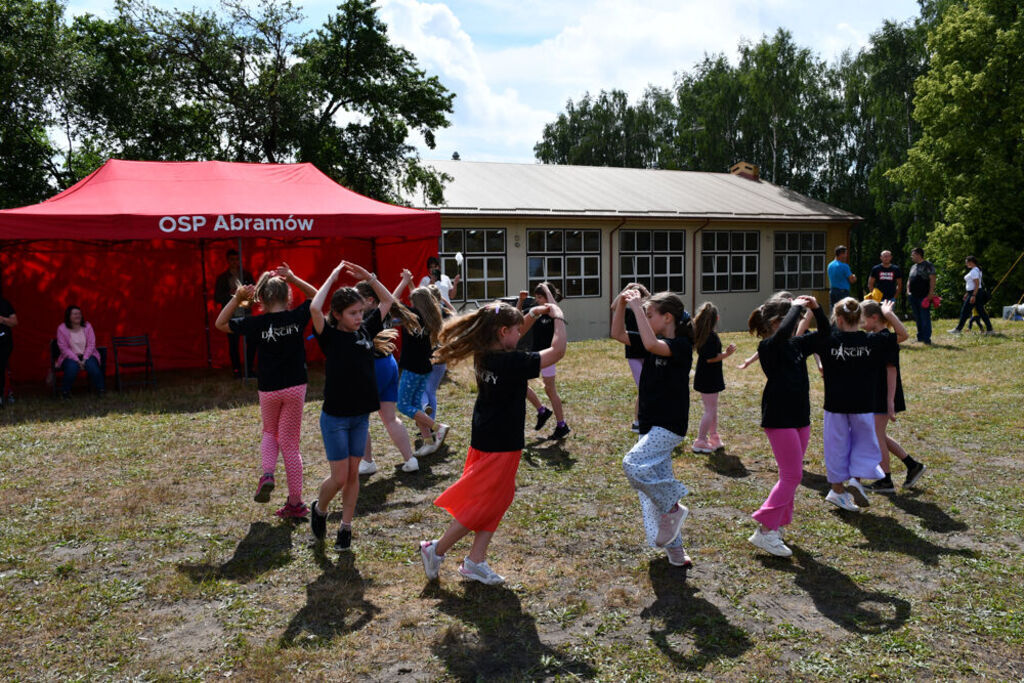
(77, 343)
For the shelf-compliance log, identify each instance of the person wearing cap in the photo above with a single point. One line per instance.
(840, 277)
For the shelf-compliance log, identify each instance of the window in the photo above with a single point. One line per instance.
(729, 261)
(654, 258)
(569, 259)
(800, 260)
(483, 264)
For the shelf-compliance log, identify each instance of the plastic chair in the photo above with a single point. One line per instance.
(58, 373)
(133, 352)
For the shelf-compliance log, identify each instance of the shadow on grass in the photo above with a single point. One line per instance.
(816, 482)
(373, 496)
(887, 534)
(678, 607)
(727, 465)
(265, 547)
(931, 515)
(838, 598)
(335, 603)
(505, 644)
(551, 453)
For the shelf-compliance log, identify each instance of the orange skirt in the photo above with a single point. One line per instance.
(484, 492)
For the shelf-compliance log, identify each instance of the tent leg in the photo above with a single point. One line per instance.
(245, 341)
(206, 314)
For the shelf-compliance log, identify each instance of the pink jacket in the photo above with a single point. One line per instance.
(64, 344)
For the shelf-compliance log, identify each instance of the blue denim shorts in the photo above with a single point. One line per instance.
(344, 437)
(387, 379)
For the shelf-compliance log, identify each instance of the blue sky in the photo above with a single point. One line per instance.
(513, 63)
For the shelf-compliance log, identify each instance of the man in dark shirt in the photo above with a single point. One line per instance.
(921, 289)
(224, 289)
(886, 277)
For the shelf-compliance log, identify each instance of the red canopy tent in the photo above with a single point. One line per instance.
(138, 244)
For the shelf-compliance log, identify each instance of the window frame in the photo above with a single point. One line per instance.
(724, 255)
(449, 265)
(814, 257)
(553, 249)
(637, 251)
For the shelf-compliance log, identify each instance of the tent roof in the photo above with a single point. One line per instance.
(126, 200)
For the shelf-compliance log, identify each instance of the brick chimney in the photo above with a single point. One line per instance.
(746, 170)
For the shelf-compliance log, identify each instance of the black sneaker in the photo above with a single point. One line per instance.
(542, 418)
(914, 473)
(881, 486)
(317, 522)
(344, 541)
(561, 431)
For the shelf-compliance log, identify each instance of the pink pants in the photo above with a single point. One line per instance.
(282, 423)
(789, 446)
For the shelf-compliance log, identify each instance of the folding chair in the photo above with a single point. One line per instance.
(133, 352)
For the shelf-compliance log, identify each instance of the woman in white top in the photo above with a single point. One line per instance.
(446, 285)
(975, 297)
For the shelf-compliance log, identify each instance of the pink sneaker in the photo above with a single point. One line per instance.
(290, 511)
(702, 446)
(264, 488)
(716, 442)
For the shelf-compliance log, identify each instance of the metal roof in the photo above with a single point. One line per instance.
(489, 188)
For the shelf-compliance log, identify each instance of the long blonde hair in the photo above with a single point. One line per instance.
(704, 323)
(384, 342)
(474, 333)
(426, 305)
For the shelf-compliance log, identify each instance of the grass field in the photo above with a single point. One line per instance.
(130, 548)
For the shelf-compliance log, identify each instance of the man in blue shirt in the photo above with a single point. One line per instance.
(840, 277)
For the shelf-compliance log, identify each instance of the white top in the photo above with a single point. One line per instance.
(975, 274)
(78, 341)
(444, 284)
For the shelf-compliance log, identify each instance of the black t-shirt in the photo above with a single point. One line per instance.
(280, 344)
(664, 387)
(499, 413)
(885, 279)
(709, 378)
(892, 357)
(785, 401)
(6, 310)
(851, 362)
(920, 278)
(543, 332)
(416, 350)
(350, 385)
(632, 351)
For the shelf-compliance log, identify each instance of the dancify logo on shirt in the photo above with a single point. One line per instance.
(487, 376)
(365, 343)
(843, 352)
(272, 334)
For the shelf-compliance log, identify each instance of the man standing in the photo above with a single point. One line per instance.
(227, 282)
(840, 277)
(921, 288)
(886, 277)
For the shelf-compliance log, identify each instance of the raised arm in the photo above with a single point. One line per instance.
(400, 289)
(554, 353)
(619, 319)
(894, 320)
(383, 295)
(9, 320)
(243, 293)
(291, 278)
(316, 308)
(650, 340)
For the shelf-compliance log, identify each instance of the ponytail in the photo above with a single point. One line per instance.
(704, 323)
(272, 288)
(848, 310)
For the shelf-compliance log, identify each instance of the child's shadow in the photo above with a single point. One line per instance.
(727, 465)
(552, 453)
(505, 644)
(335, 603)
(816, 482)
(373, 496)
(931, 515)
(838, 598)
(885, 533)
(681, 611)
(265, 547)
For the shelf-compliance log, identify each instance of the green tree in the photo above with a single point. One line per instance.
(970, 105)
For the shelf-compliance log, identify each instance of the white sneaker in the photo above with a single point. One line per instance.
(677, 557)
(425, 449)
(442, 432)
(411, 465)
(479, 571)
(367, 467)
(770, 542)
(431, 560)
(856, 489)
(842, 500)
